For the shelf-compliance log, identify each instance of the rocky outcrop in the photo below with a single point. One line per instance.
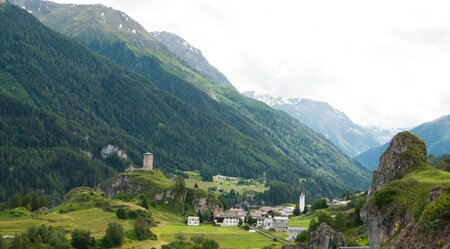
(404, 151)
(392, 212)
(110, 149)
(137, 183)
(326, 237)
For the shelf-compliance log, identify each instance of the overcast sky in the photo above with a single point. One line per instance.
(383, 63)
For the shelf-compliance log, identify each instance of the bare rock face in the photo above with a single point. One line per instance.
(326, 237)
(405, 150)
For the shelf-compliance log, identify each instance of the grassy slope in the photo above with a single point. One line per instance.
(227, 186)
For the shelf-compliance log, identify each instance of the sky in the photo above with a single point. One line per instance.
(383, 63)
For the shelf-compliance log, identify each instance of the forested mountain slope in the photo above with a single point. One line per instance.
(229, 134)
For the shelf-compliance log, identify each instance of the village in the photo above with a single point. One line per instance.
(264, 218)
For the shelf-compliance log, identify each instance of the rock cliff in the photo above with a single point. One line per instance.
(404, 199)
(326, 237)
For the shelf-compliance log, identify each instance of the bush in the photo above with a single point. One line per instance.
(323, 217)
(384, 196)
(313, 225)
(319, 204)
(302, 237)
(437, 215)
(114, 235)
(121, 213)
(142, 230)
(82, 239)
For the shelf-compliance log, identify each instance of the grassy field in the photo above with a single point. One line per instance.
(227, 186)
(227, 237)
(96, 220)
(301, 221)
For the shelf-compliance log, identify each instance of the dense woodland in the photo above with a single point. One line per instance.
(61, 104)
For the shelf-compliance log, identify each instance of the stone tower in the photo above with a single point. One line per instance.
(301, 203)
(148, 161)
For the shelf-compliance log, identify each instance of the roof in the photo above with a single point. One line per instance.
(280, 218)
(148, 153)
(194, 218)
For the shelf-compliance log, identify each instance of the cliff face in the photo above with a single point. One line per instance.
(157, 187)
(404, 198)
(405, 150)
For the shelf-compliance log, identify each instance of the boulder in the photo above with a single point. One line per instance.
(326, 237)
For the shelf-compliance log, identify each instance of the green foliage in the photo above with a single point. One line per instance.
(121, 213)
(114, 235)
(303, 237)
(319, 204)
(384, 196)
(82, 239)
(31, 201)
(339, 222)
(313, 225)
(296, 210)
(324, 217)
(142, 230)
(437, 215)
(198, 239)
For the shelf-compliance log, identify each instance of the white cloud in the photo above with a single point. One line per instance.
(381, 62)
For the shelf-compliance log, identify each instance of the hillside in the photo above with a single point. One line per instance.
(436, 135)
(82, 102)
(409, 201)
(351, 138)
(191, 56)
(238, 136)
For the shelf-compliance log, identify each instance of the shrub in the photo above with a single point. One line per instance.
(114, 235)
(121, 213)
(319, 204)
(437, 215)
(142, 230)
(384, 196)
(302, 237)
(82, 239)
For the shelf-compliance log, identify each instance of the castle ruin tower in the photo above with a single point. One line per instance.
(301, 203)
(148, 161)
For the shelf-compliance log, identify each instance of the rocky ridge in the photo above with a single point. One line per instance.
(402, 207)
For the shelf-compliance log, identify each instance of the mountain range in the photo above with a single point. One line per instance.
(351, 138)
(436, 135)
(67, 106)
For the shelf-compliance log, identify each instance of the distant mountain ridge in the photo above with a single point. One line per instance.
(191, 56)
(436, 135)
(153, 101)
(351, 138)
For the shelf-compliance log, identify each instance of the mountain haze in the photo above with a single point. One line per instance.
(436, 135)
(188, 121)
(323, 118)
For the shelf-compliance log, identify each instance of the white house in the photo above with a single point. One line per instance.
(292, 232)
(227, 221)
(280, 224)
(193, 221)
(268, 223)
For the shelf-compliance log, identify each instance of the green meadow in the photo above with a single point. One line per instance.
(227, 186)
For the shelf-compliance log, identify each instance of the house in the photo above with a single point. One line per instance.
(292, 232)
(259, 221)
(268, 223)
(280, 224)
(193, 221)
(228, 218)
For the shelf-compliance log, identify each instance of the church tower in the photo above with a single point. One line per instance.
(301, 203)
(148, 161)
